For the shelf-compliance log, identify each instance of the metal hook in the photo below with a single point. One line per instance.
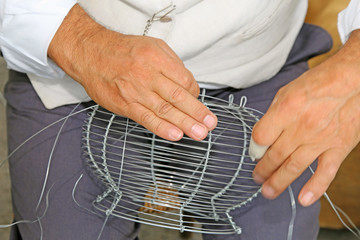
(163, 18)
(231, 100)
(243, 101)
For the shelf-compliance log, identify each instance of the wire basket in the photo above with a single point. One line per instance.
(186, 185)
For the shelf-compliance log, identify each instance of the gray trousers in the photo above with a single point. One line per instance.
(65, 219)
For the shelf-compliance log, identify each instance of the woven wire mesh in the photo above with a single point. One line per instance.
(186, 185)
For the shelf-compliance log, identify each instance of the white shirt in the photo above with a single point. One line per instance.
(27, 28)
(349, 20)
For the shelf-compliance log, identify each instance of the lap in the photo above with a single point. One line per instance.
(62, 213)
(70, 214)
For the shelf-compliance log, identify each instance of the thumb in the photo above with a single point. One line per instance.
(264, 133)
(256, 151)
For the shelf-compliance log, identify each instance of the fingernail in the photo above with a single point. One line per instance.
(307, 199)
(209, 121)
(175, 134)
(199, 131)
(258, 179)
(268, 192)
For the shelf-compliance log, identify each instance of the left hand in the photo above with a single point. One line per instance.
(315, 116)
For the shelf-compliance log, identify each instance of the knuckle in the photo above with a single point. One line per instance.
(147, 118)
(141, 54)
(164, 108)
(160, 42)
(294, 166)
(120, 82)
(311, 122)
(196, 90)
(287, 104)
(279, 95)
(331, 169)
(177, 95)
(192, 86)
(260, 134)
(148, 52)
(187, 81)
(281, 92)
(275, 156)
(183, 121)
(159, 127)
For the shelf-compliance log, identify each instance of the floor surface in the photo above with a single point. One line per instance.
(147, 232)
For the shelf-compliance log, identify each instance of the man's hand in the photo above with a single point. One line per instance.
(134, 76)
(315, 116)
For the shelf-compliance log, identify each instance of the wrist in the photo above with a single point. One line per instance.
(343, 67)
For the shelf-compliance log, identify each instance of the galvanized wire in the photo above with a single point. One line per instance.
(186, 185)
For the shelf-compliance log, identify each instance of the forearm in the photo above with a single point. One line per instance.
(134, 76)
(344, 66)
(71, 38)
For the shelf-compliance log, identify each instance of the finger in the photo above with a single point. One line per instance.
(268, 128)
(328, 165)
(150, 121)
(185, 102)
(184, 78)
(178, 72)
(290, 170)
(274, 157)
(170, 113)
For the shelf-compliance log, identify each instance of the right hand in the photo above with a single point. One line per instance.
(134, 76)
